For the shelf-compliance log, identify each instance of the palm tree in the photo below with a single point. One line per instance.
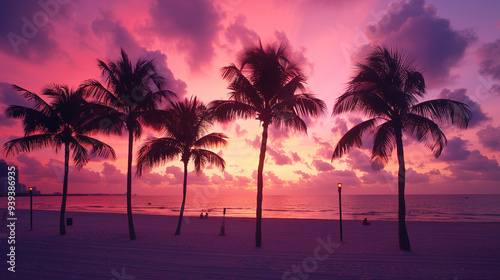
(385, 88)
(134, 92)
(64, 122)
(265, 86)
(185, 124)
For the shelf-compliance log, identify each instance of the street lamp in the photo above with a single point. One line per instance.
(340, 208)
(31, 208)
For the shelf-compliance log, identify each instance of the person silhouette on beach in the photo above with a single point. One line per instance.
(201, 215)
(206, 215)
(365, 222)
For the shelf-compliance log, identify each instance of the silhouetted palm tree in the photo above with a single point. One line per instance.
(385, 88)
(265, 87)
(135, 92)
(64, 122)
(186, 124)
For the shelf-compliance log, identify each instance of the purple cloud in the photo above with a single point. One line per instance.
(416, 28)
(489, 61)
(455, 150)
(489, 137)
(237, 31)
(27, 28)
(279, 156)
(322, 165)
(194, 25)
(119, 37)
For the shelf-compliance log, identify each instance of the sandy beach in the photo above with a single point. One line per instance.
(97, 247)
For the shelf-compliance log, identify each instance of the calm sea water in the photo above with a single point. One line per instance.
(450, 208)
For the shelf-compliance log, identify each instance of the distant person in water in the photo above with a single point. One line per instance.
(201, 215)
(365, 222)
(206, 215)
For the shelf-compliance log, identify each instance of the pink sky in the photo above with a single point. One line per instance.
(457, 44)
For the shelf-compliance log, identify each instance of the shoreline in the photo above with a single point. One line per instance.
(96, 246)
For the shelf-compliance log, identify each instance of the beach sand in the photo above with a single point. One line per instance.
(96, 246)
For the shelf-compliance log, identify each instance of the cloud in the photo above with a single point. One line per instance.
(478, 116)
(340, 126)
(27, 28)
(240, 132)
(296, 157)
(322, 165)
(455, 150)
(279, 156)
(489, 137)
(237, 31)
(324, 150)
(489, 55)
(304, 175)
(489, 61)
(415, 27)
(193, 25)
(255, 143)
(475, 167)
(117, 36)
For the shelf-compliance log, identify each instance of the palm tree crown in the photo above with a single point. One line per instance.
(64, 122)
(385, 89)
(134, 91)
(186, 124)
(265, 87)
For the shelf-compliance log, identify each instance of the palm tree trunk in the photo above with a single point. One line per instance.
(404, 240)
(260, 185)
(62, 225)
(184, 188)
(129, 185)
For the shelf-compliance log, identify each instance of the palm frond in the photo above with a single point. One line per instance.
(40, 104)
(79, 152)
(366, 102)
(33, 120)
(98, 147)
(423, 128)
(211, 140)
(283, 119)
(353, 138)
(27, 144)
(201, 157)
(228, 110)
(96, 90)
(383, 144)
(308, 105)
(156, 152)
(457, 113)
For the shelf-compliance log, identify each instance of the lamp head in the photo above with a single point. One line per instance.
(31, 188)
(339, 184)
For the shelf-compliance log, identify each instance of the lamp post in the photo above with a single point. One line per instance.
(31, 208)
(340, 208)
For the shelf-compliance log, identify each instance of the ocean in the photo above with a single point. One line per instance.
(439, 208)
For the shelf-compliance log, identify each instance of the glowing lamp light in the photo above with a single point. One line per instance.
(31, 188)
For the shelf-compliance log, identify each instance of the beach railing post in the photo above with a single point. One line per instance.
(31, 208)
(340, 208)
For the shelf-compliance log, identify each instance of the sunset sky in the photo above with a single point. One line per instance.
(456, 43)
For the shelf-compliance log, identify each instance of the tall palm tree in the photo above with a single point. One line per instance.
(385, 88)
(64, 122)
(265, 87)
(186, 124)
(135, 92)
